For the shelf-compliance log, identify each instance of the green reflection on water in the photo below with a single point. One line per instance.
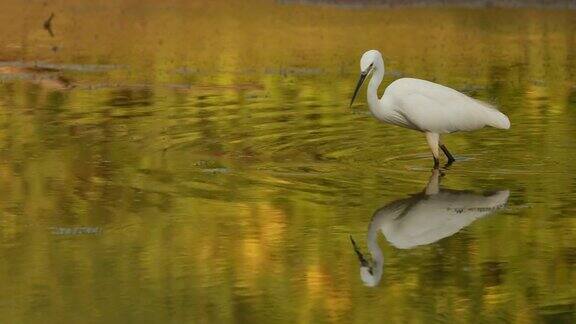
(204, 167)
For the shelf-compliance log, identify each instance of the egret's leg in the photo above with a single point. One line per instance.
(447, 153)
(433, 186)
(433, 140)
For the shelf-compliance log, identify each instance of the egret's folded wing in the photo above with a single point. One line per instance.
(452, 115)
(440, 216)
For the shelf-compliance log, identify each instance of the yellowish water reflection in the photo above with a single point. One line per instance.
(204, 166)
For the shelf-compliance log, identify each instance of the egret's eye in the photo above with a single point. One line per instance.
(368, 69)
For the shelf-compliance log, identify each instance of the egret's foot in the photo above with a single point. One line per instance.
(451, 158)
(438, 172)
(436, 163)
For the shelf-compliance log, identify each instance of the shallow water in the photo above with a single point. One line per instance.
(199, 163)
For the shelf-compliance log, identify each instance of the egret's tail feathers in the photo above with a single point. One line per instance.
(499, 120)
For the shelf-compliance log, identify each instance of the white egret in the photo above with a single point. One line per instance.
(424, 106)
(424, 218)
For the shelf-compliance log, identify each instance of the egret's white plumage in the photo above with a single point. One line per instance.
(425, 106)
(424, 218)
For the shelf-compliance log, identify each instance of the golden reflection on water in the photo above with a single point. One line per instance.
(204, 166)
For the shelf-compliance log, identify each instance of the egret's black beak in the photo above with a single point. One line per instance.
(363, 261)
(363, 76)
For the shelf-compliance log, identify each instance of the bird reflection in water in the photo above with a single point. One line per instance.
(424, 218)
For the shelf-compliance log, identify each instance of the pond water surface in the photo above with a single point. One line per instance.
(198, 163)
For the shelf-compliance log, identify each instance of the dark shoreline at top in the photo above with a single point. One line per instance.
(537, 4)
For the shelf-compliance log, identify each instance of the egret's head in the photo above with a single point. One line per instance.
(367, 274)
(368, 277)
(370, 60)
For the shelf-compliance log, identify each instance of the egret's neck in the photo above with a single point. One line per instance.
(372, 93)
(375, 250)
